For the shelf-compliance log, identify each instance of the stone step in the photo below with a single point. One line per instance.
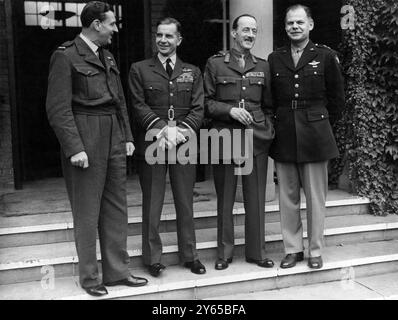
(376, 287)
(341, 263)
(23, 264)
(58, 227)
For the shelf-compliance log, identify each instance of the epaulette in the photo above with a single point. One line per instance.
(220, 54)
(65, 45)
(323, 46)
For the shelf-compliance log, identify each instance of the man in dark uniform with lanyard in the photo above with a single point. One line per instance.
(87, 110)
(237, 97)
(167, 96)
(308, 92)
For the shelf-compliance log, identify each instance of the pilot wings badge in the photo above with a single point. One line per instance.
(314, 64)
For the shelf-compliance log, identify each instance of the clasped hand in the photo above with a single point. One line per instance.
(171, 137)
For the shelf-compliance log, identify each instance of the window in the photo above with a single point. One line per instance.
(50, 15)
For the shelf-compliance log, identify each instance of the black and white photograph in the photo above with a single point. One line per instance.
(200, 154)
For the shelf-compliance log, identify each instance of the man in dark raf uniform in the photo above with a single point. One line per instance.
(87, 110)
(167, 96)
(237, 97)
(308, 92)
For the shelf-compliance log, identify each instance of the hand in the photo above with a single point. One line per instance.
(164, 144)
(181, 135)
(80, 160)
(171, 135)
(241, 115)
(129, 149)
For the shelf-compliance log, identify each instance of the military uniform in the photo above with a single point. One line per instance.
(307, 99)
(157, 99)
(228, 85)
(86, 108)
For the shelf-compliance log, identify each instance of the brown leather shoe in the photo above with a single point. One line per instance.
(196, 267)
(222, 264)
(155, 269)
(265, 263)
(97, 291)
(315, 262)
(291, 259)
(129, 282)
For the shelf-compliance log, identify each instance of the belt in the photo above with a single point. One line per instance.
(100, 111)
(249, 106)
(299, 104)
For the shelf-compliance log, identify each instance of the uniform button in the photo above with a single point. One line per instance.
(315, 72)
(322, 116)
(171, 94)
(277, 74)
(243, 77)
(171, 82)
(171, 107)
(296, 76)
(225, 81)
(243, 88)
(296, 85)
(296, 95)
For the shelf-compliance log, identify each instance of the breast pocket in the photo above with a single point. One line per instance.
(256, 87)
(153, 94)
(184, 93)
(90, 82)
(314, 79)
(227, 88)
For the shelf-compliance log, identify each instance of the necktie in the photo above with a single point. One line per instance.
(296, 57)
(169, 69)
(241, 61)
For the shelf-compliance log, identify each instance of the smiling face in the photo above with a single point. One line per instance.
(167, 39)
(245, 34)
(298, 25)
(106, 28)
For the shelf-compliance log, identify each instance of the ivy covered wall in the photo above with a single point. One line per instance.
(368, 132)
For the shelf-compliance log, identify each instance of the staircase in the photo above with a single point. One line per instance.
(38, 258)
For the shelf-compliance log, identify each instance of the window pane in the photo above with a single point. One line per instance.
(80, 7)
(72, 7)
(30, 7)
(42, 6)
(30, 20)
(72, 22)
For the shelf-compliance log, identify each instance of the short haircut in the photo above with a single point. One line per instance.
(299, 6)
(236, 20)
(94, 10)
(170, 20)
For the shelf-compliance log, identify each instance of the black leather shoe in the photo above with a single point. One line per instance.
(265, 263)
(130, 282)
(315, 262)
(291, 259)
(195, 266)
(222, 264)
(97, 291)
(155, 269)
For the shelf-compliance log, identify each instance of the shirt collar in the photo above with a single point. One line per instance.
(163, 59)
(91, 44)
(237, 54)
(299, 49)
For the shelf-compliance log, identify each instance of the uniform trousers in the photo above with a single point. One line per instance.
(313, 178)
(98, 199)
(254, 186)
(153, 185)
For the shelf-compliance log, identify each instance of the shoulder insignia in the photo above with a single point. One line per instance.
(65, 45)
(220, 54)
(322, 46)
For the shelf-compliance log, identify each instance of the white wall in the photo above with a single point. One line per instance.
(263, 11)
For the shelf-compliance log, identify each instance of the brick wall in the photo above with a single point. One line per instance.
(6, 170)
